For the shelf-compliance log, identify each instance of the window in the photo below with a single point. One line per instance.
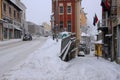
(18, 16)
(61, 9)
(61, 25)
(14, 14)
(4, 7)
(69, 10)
(69, 26)
(10, 11)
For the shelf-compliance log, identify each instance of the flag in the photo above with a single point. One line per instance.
(95, 20)
(105, 5)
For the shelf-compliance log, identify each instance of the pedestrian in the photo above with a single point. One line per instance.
(56, 37)
(53, 36)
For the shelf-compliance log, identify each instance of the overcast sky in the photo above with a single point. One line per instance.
(92, 7)
(39, 11)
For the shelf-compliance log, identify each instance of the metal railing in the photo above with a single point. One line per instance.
(103, 23)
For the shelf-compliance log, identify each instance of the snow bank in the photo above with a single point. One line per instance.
(44, 64)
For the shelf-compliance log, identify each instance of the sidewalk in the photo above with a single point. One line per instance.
(5, 42)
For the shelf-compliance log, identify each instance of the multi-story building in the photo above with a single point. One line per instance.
(115, 18)
(10, 19)
(23, 15)
(110, 27)
(64, 14)
(105, 27)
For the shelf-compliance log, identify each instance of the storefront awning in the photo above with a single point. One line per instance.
(108, 35)
(16, 27)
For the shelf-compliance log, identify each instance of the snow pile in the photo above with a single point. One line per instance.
(44, 64)
(92, 69)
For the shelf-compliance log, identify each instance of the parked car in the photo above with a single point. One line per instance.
(81, 53)
(84, 48)
(27, 37)
(46, 35)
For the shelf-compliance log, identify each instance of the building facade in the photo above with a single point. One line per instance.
(10, 19)
(64, 13)
(110, 27)
(115, 17)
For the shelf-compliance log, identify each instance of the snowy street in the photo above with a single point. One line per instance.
(13, 52)
(44, 64)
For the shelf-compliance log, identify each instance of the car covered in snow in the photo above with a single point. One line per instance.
(27, 37)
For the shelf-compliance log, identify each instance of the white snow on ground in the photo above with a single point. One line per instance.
(4, 42)
(44, 64)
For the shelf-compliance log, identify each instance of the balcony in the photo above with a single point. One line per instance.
(103, 25)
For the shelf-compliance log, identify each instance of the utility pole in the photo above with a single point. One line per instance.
(77, 27)
(56, 26)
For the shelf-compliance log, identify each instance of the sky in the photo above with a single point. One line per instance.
(39, 11)
(92, 7)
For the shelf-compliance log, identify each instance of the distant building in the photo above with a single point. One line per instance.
(10, 19)
(83, 21)
(35, 29)
(46, 26)
(83, 18)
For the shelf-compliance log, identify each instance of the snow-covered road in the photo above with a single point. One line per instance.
(15, 52)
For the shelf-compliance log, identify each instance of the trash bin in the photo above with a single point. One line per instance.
(98, 50)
